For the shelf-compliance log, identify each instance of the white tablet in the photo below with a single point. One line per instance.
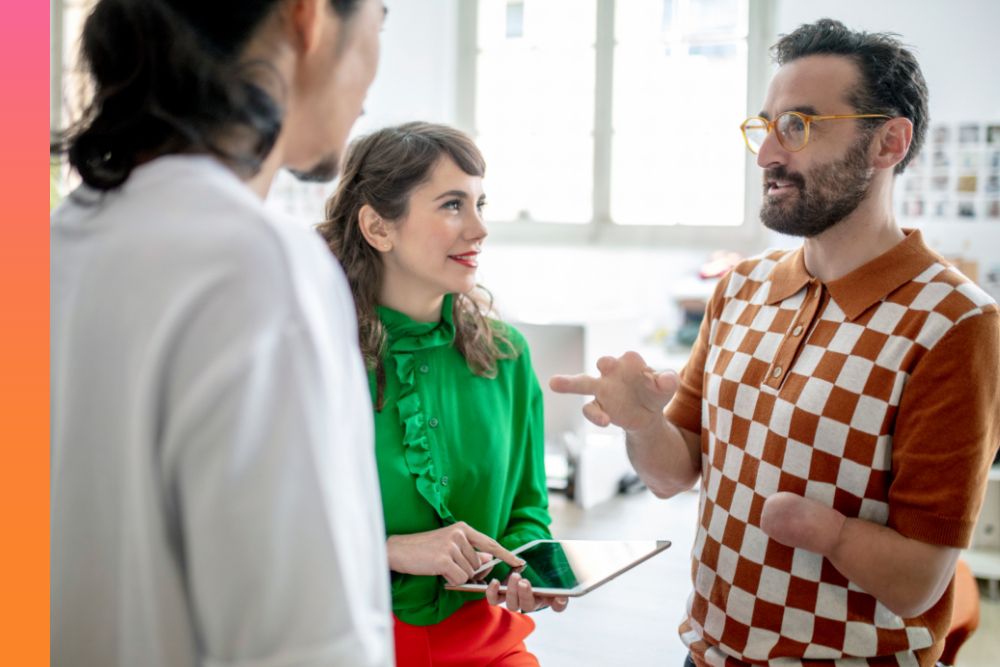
(567, 567)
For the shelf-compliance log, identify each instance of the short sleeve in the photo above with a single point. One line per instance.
(946, 435)
(684, 410)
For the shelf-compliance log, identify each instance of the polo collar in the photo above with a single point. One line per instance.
(864, 286)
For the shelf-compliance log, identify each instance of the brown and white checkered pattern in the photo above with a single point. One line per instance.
(821, 428)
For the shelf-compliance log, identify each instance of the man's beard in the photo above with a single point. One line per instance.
(323, 171)
(834, 191)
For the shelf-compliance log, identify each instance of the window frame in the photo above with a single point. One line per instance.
(748, 236)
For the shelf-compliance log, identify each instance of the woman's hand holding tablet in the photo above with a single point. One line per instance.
(563, 568)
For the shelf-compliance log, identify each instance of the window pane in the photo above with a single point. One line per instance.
(535, 107)
(679, 98)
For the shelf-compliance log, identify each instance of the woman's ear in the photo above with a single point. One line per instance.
(375, 230)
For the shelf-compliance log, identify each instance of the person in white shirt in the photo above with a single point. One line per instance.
(214, 500)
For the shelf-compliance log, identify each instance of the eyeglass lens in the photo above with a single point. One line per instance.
(791, 130)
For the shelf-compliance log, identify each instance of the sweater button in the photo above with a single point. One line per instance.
(444, 480)
(424, 368)
(433, 422)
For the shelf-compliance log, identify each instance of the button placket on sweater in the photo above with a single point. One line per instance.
(795, 337)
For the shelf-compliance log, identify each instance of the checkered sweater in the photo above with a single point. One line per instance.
(887, 412)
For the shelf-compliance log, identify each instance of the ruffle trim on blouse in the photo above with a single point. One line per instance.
(406, 337)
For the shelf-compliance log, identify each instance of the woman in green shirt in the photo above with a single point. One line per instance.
(458, 421)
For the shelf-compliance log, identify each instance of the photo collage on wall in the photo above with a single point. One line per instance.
(955, 176)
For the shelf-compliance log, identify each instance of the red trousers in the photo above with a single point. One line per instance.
(477, 635)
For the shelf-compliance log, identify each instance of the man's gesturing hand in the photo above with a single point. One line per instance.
(628, 393)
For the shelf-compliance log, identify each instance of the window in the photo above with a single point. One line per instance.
(614, 118)
(68, 88)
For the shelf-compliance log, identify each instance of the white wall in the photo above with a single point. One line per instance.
(417, 71)
(956, 42)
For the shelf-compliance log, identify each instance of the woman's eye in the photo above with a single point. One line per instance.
(481, 205)
(453, 205)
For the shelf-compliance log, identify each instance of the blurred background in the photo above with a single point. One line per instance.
(619, 189)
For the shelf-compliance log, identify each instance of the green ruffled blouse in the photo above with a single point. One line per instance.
(453, 446)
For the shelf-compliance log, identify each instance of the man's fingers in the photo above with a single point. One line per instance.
(666, 382)
(607, 365)
(593, 412)
(574, 384)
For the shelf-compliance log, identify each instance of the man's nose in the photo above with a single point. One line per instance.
(771, 152)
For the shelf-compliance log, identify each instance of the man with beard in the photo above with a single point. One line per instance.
(214, 494)
(840, 405)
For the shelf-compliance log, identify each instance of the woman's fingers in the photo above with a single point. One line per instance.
(525, 596)
(489, 545)
(466, 550)
(558, 603)
(461, 560)
(454, 574)
(493, 592)
(484, 558)
(513, 603)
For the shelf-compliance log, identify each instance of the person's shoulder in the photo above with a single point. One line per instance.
(190, 211)
(510, 340)
(748, 274)
(513, 350)
(953, 291)
(759, 267)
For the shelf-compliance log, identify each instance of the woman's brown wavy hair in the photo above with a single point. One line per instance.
(381, 170)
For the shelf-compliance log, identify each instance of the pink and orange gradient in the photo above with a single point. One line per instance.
(24, 320)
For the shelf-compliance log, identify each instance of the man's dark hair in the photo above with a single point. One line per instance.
(891, 80)
(167, 78)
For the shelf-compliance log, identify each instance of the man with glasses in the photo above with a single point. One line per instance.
(840, 405)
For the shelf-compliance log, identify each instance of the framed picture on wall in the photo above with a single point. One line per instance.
(993, 135)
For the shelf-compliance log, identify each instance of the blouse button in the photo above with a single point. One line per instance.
(777, 372)
(433, 422)
(444, 480)
(424, 368)
(797, 331)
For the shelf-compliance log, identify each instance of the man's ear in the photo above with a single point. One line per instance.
(892, 142)
(307, 17)
(375, 230)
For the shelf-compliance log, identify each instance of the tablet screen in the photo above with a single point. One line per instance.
(570, 566)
